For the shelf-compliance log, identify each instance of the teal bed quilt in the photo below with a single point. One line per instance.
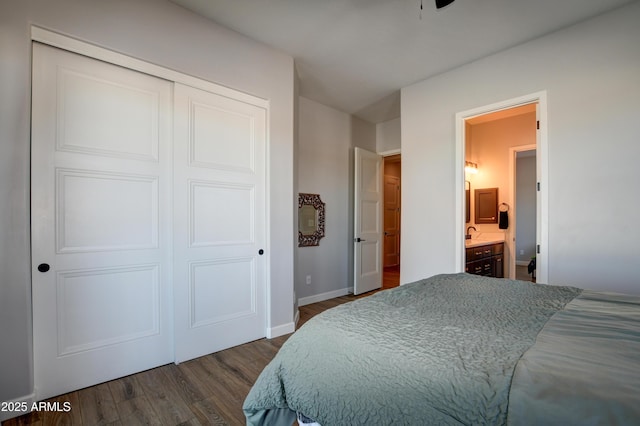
(440, 351)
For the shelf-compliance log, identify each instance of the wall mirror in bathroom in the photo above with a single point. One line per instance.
(486, 201)
(310, 220)
(467, 200)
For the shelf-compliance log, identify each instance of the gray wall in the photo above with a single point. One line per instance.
(323, 168)
(525, 207)
(388, 135)
(162, 33)
(326, 138)
(591, 72)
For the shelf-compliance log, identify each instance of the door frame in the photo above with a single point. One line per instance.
(385, 154)
(542, 166)
(511, 243)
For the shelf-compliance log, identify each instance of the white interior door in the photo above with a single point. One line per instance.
(220, 222)
(100, 221)
(367, 221)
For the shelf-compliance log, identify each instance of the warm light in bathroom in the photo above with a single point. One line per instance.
(470, 167)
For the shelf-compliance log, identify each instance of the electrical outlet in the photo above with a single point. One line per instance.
(308, 279)
(521, 252)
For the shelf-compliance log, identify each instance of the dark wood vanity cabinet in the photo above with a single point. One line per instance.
(487, 260)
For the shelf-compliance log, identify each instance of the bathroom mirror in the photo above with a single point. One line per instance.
(486, 201)
(467, 200)
(310, 220)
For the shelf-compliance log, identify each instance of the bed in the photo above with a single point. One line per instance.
(459, 349)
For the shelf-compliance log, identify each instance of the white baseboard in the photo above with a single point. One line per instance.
(296, 317)
(27, 399)
(281, 330)
(522, 262)
(322, 297)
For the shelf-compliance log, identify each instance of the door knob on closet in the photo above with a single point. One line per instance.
(43, 267)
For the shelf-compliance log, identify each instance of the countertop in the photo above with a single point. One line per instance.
(484, 239)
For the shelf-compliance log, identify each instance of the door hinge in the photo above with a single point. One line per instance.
(538, 124)
(538, 249)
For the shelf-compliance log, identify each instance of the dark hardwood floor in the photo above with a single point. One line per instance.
(208, 390)
(391, 277)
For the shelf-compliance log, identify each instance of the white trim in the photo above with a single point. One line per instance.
(267, 225)
(522, 263)
(543, 175)
(296, 317)
(29, 399)
(281, 330)
(511, 233)
(390, 152)
(322, 296)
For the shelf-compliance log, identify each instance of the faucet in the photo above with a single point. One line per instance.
(468, 235)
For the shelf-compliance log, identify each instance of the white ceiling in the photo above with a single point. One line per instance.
(355, 55)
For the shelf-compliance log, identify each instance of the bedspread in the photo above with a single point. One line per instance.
(438, 351)
(584, 367)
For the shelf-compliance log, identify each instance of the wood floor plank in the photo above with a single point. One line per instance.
(228, 378)
(236, 364)
(191, 422)
(226, 398)
(72, 417)
(254, 357)
(191, 372)
(207, 413)
(125, 388)
(98, 407)
(163, 396)
(137, 411)
(189, 389)
(30, 419)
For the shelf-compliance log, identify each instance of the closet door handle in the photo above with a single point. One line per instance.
(43, 267)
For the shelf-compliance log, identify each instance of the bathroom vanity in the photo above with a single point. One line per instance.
(485, 258)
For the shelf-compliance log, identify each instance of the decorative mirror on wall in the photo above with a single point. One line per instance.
(310, 220)
(467, 200)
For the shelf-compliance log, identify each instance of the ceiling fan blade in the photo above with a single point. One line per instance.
(442, 3)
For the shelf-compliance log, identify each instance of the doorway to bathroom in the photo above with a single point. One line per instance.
(498, 128)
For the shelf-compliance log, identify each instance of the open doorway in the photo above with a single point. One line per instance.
(391, 219)
(522, 176)
(502, 131)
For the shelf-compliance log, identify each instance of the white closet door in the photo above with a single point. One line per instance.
(101, 164)
(220, 221)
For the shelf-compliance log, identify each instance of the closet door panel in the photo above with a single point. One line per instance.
(101, 217)
(220, 227)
